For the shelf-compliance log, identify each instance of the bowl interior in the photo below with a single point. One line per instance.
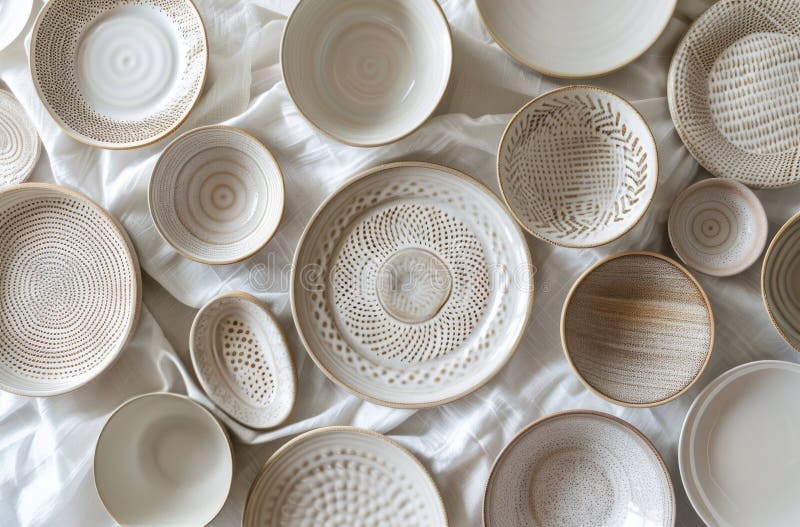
(578, 166)
(638, 329)
(217, 194)
(162, 459)
(781, 281)
(367, 71)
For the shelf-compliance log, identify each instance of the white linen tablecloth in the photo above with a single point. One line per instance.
(46, 445)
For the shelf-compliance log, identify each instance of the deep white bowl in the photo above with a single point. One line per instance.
(367, 72)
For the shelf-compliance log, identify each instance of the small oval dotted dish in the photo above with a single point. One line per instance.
(242, 361)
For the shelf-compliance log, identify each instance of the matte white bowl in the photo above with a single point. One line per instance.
(162, 459)
(367, 72)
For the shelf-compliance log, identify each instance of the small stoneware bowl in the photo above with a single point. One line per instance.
(216, 195)
(242, 361)
(780, 281)
(578, 166)
(718, 226)
(367, 72)
(162, 459)
(637, 329)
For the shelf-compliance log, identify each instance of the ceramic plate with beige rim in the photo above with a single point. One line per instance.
(575, 38)
(780, 281)
(367, 72)
(637, 329)
(343, 476)
(163, 459)
(738, 447)
(119, 73)
(411, 285)
(579, 468)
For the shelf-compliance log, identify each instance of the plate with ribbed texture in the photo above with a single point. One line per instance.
(731, 91)
(578, 166)
(119, 73)
(70, 289)
(780, 281)
(412, 285)
(342, 477)
(216, 194)
(242, 361)
(20, 147)
(637, 329)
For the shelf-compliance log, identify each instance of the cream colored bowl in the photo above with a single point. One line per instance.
(367, 72)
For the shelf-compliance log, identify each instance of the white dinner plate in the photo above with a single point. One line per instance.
(13, 17)
(738, 451)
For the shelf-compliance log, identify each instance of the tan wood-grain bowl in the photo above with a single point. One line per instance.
(637, 329)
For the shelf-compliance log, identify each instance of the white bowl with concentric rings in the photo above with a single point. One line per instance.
(780, 281)
(367, 72)
(216, 195)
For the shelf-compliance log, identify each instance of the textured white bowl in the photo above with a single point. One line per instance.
(162, 459)
(20, 146)
(367, 72)
(216, 195)
(13, 17)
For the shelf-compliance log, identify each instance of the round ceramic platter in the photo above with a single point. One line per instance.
(342, 477)
(20, 147)
(780, 281)
(13, 18)
(411, 286)
(738, 447)
(240, 356)
(578, 166)
(119, 73)
(637, 329)
(70, 289)
(731, 91)
(216, 195)
(575, 38)
(579, 468)
(162, 459)
(718, 226)
(365, 72)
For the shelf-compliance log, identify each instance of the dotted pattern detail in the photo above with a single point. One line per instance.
(19, 143)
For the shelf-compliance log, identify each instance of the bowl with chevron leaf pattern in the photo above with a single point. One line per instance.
(578, 166)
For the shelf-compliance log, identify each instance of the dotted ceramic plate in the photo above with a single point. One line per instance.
(412, 285)
(69, 289)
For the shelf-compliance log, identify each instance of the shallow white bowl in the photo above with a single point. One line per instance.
(162, 459)
(13, 17)
(367, 72)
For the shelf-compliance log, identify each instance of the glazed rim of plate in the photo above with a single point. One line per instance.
(771, 310)
(132, 265)
(725, 124)
(16, 128)
(166, 220)
(691, 279)
(101, 130)
(161, 394)
(654, 171)
(274, 458)
(326, 359)
(566, 74)
(709, 392)
(570, 413)
(375, 142)
(753, 204)
(271, 317)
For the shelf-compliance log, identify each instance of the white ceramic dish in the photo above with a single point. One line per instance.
(579, 468)
(780, 281)
(162, 459)
(411, 286)
(342, 477)
(241, 359)
(718, 226)
(738, 447)
(731, 91)
(14, 16)
(70, 289)
(119, 73)
(578, 166)
(216, 195)
(367, 72)
(20, 147)
(575, 38)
